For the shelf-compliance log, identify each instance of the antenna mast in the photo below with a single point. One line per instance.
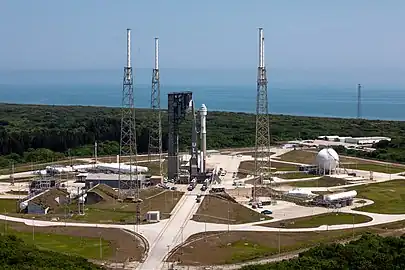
(128, 184)
(155, 126)
(359, 101)
(262, 147)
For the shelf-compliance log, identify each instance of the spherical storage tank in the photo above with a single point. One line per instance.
(327, 159)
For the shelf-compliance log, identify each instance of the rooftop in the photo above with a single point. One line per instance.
(111, 177)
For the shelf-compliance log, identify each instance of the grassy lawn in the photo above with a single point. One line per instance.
(324, 181)
(88, 247)
(319, 220)
(299, 156)
(296, 175)
(108, 210)
(111, 211)
(214, 209)
(248, 167)
(376, 168)
(8, 206)
(240, 246)
(388, 197)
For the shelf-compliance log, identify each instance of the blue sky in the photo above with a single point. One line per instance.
(310, 35)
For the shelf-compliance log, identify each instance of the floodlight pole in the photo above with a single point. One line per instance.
(228, 217)
(353, 226)
(279, 241)
(101, 247)
(33, 230)
(5, 221)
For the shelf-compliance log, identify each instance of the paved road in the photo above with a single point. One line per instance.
(166, 234)
(172, 232)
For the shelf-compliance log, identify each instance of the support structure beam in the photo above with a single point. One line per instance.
(128, 186)
(262, 145)
(155, 123)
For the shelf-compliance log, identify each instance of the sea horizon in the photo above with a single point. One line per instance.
(292, 97)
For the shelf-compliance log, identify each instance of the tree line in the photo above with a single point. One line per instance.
(370, 252)
(45, 133)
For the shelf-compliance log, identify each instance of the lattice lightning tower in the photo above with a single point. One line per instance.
(155, 126)
(359, 101)
(262, 147)
(128, 182)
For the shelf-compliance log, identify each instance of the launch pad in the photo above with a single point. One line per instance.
(179, 105)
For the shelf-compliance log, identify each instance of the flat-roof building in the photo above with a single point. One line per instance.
(366, 140)
(111, 179)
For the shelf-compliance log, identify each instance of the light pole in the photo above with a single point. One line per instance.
(101, 247)
(353, 226)
(279, 241)
(168, 250)
(5, 222)
(181, 228)
(228, 217)
(33, 230)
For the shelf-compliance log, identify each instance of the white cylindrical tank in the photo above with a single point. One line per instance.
(327, 159)
(340, 196)
(23, 205)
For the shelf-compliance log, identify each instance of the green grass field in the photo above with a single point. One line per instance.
(324, 181)
(8, 206)
(81, 246)
(87, 247)
(388, 197)
(248, 167)
(319, 220)
(376, 168)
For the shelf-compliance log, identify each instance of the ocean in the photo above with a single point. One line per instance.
(75, 88)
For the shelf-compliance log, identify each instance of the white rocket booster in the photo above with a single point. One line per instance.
(203, 114)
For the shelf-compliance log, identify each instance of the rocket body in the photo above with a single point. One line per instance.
(203, 115)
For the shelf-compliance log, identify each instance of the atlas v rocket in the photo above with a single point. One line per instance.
(203, 115)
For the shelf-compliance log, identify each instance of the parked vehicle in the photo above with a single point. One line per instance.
(266, 212)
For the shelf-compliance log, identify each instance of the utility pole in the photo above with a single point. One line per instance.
(353, 226)
(101, 247)
(359, 101)
(12, 173)
(228, 218)
(155, 125)
(262, 145)
(33, 230)
(129, 185)
(5, 221)
(279, 241)
(95, 153)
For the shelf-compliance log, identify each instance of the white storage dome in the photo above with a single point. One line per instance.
(327, 159)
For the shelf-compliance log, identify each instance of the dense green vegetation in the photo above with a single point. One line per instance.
(370, 252)
(15, 254)
(388, 151)
(31, 133)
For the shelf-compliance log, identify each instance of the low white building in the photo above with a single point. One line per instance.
(366, 140)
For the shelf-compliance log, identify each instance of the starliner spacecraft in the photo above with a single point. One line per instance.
(179, 105)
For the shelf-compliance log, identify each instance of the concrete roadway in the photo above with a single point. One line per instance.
(172, 233)
(166, 234)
